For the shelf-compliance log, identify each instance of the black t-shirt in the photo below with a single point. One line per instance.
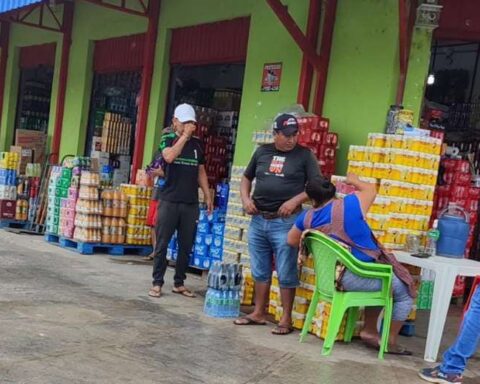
(181, 176)
(280, 175)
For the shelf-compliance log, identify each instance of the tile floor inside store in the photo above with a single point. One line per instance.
(68, 318)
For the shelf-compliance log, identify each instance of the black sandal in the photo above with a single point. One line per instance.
(399, 351)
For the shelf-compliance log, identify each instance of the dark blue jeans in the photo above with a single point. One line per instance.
(455, 358)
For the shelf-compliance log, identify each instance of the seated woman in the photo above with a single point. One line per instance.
(344, 220)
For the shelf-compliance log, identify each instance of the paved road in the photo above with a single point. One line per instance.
(68, 318)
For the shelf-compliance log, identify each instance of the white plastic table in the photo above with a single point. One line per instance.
(446, 270)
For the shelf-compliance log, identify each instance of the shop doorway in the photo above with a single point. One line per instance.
(207, 71)
(34, 97)
(215, 92)
(32, 115)
(114, 102)
(452, 107)
(112, 118)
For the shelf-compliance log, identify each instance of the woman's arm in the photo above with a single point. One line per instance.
(366, 192)
(294, 236)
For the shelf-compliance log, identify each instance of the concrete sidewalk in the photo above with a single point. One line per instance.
(69, 318)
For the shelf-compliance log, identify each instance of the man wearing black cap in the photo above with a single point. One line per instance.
(281, 171)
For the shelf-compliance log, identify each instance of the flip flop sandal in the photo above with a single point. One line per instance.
(282, 330)
(155, 292)
(400, 351)
(184, 292)
(248, 321)
(370, 343)
(147, 258)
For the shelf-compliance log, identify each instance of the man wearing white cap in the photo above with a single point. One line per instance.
(184, 173)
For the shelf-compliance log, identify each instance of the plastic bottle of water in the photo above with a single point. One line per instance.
(432, 236)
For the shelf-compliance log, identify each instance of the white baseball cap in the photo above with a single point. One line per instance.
(184, 113)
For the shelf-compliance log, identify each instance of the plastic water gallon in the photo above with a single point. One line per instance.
(453, 232)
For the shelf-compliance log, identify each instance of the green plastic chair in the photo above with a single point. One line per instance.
(327, 253)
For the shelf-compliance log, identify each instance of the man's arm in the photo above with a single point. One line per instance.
(291, 205)
(245, 190)
(203, 183)
(171, 153)
(312, 171)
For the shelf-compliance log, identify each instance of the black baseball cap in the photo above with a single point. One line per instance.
(286, 124)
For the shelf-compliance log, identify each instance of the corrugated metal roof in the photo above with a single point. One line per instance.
(10, 5)
(219, 42)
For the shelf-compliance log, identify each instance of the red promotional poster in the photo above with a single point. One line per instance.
(271, 76)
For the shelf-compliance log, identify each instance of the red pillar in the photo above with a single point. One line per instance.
(306, 74)
(325, 50)
(406, 22)
(148, 63)
(68, 9)
(295, 32)
(4, 44)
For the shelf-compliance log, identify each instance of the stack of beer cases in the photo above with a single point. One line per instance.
(67, 205)
(303, 297)
(314, 134)
(235, 246)
(216, 163)
(9, 162)
(226, 125)
(208, 247)
(57, 189)
(406, 168)
(456, 189)
(217, 130)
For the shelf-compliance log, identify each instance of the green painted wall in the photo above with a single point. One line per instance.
(418, 66)
(91, 23)
(364, 68)
(268, 42)
(21, 36)
(363, 71)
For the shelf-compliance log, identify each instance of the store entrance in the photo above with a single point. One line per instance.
(452, 107)
(34, 98)
(215, 92)
(112, 121)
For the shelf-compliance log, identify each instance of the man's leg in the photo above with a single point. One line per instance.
(455, 358)
(261, 263)
(167, 221)
(187, 228)
(286, 266)
(154, 239)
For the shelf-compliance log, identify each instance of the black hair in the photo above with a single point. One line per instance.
(320, 190)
